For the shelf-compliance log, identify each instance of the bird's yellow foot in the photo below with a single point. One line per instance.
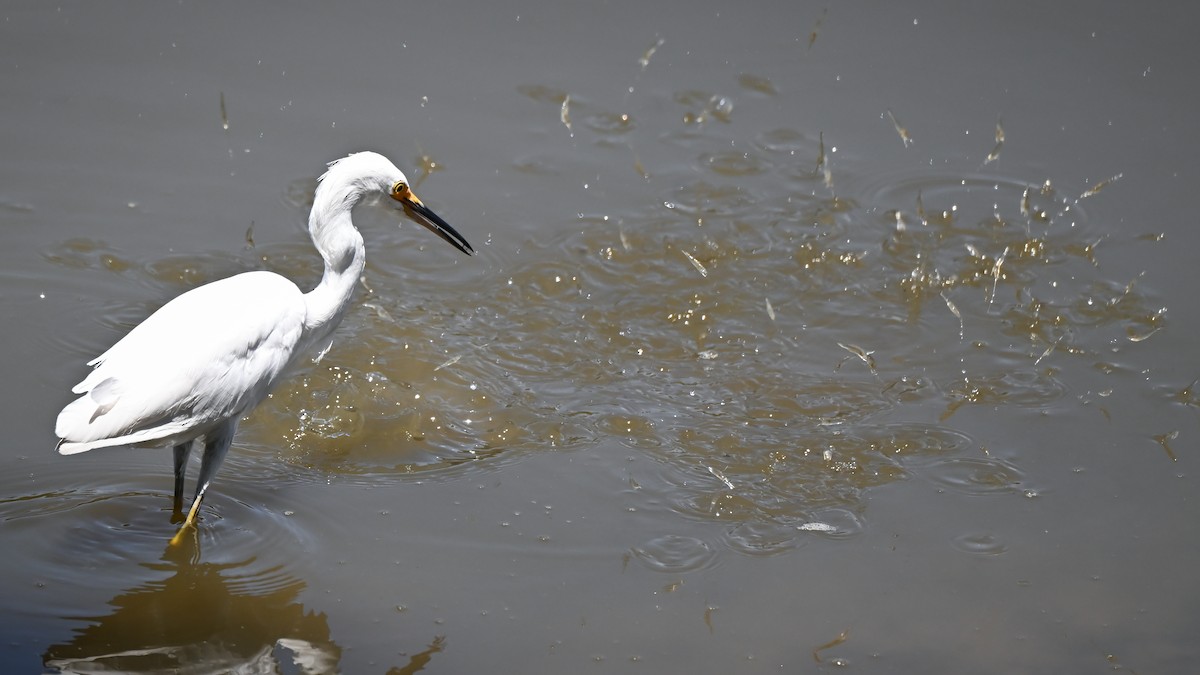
(188, 522)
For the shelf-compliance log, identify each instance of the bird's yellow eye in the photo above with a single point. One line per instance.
(399, 189)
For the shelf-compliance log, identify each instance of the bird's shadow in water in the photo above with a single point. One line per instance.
(201, 618)
(195, 616)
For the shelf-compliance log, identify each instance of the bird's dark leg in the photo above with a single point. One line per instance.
(181, 457)
(215, 446)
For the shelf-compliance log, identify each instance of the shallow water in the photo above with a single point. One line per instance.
(840, 340)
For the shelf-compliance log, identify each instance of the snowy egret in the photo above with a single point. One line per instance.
(205, 359)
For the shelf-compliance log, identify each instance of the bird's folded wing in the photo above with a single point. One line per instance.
(210, 353)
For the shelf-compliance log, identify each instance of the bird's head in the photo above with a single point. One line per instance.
(370, 172)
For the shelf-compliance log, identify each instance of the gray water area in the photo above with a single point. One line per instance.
(800, 338)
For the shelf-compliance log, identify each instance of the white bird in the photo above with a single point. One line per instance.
(167, 383)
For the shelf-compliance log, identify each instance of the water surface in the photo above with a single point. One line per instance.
(805, 338)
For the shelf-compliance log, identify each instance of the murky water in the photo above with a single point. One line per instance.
(838, 340)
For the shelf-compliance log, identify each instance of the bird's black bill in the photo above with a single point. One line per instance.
(425, 216)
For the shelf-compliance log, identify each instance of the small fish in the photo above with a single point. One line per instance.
(1139, 338)
(841, 637)
(719, 108)
(1165, 439)
(645, 60)
(721, 477)
(862, 354)
(380, 312)
(1128, 289)
(224, 117)
(1188, 396)
(812, 37)
(904, 137)
(755, 83)
(958, 315)
(995, 153)
(321, 354)
(1048, 350)
(640, 168)
(823, 162)
(565, 113)
(921, 209)
(428, 164)
(770, 309)
(250, 236)
(446, 364)
(996, 274)
(696, 263)
(1100, 186)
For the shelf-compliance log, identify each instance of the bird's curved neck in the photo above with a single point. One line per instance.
(341, 247)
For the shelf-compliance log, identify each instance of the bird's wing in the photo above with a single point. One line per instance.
(207, 355)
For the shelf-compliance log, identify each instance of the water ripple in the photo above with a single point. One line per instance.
(674, 553)
(977, 476)
(979, 543)
(124, 523)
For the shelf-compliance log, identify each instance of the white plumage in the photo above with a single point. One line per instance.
(166, 383)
